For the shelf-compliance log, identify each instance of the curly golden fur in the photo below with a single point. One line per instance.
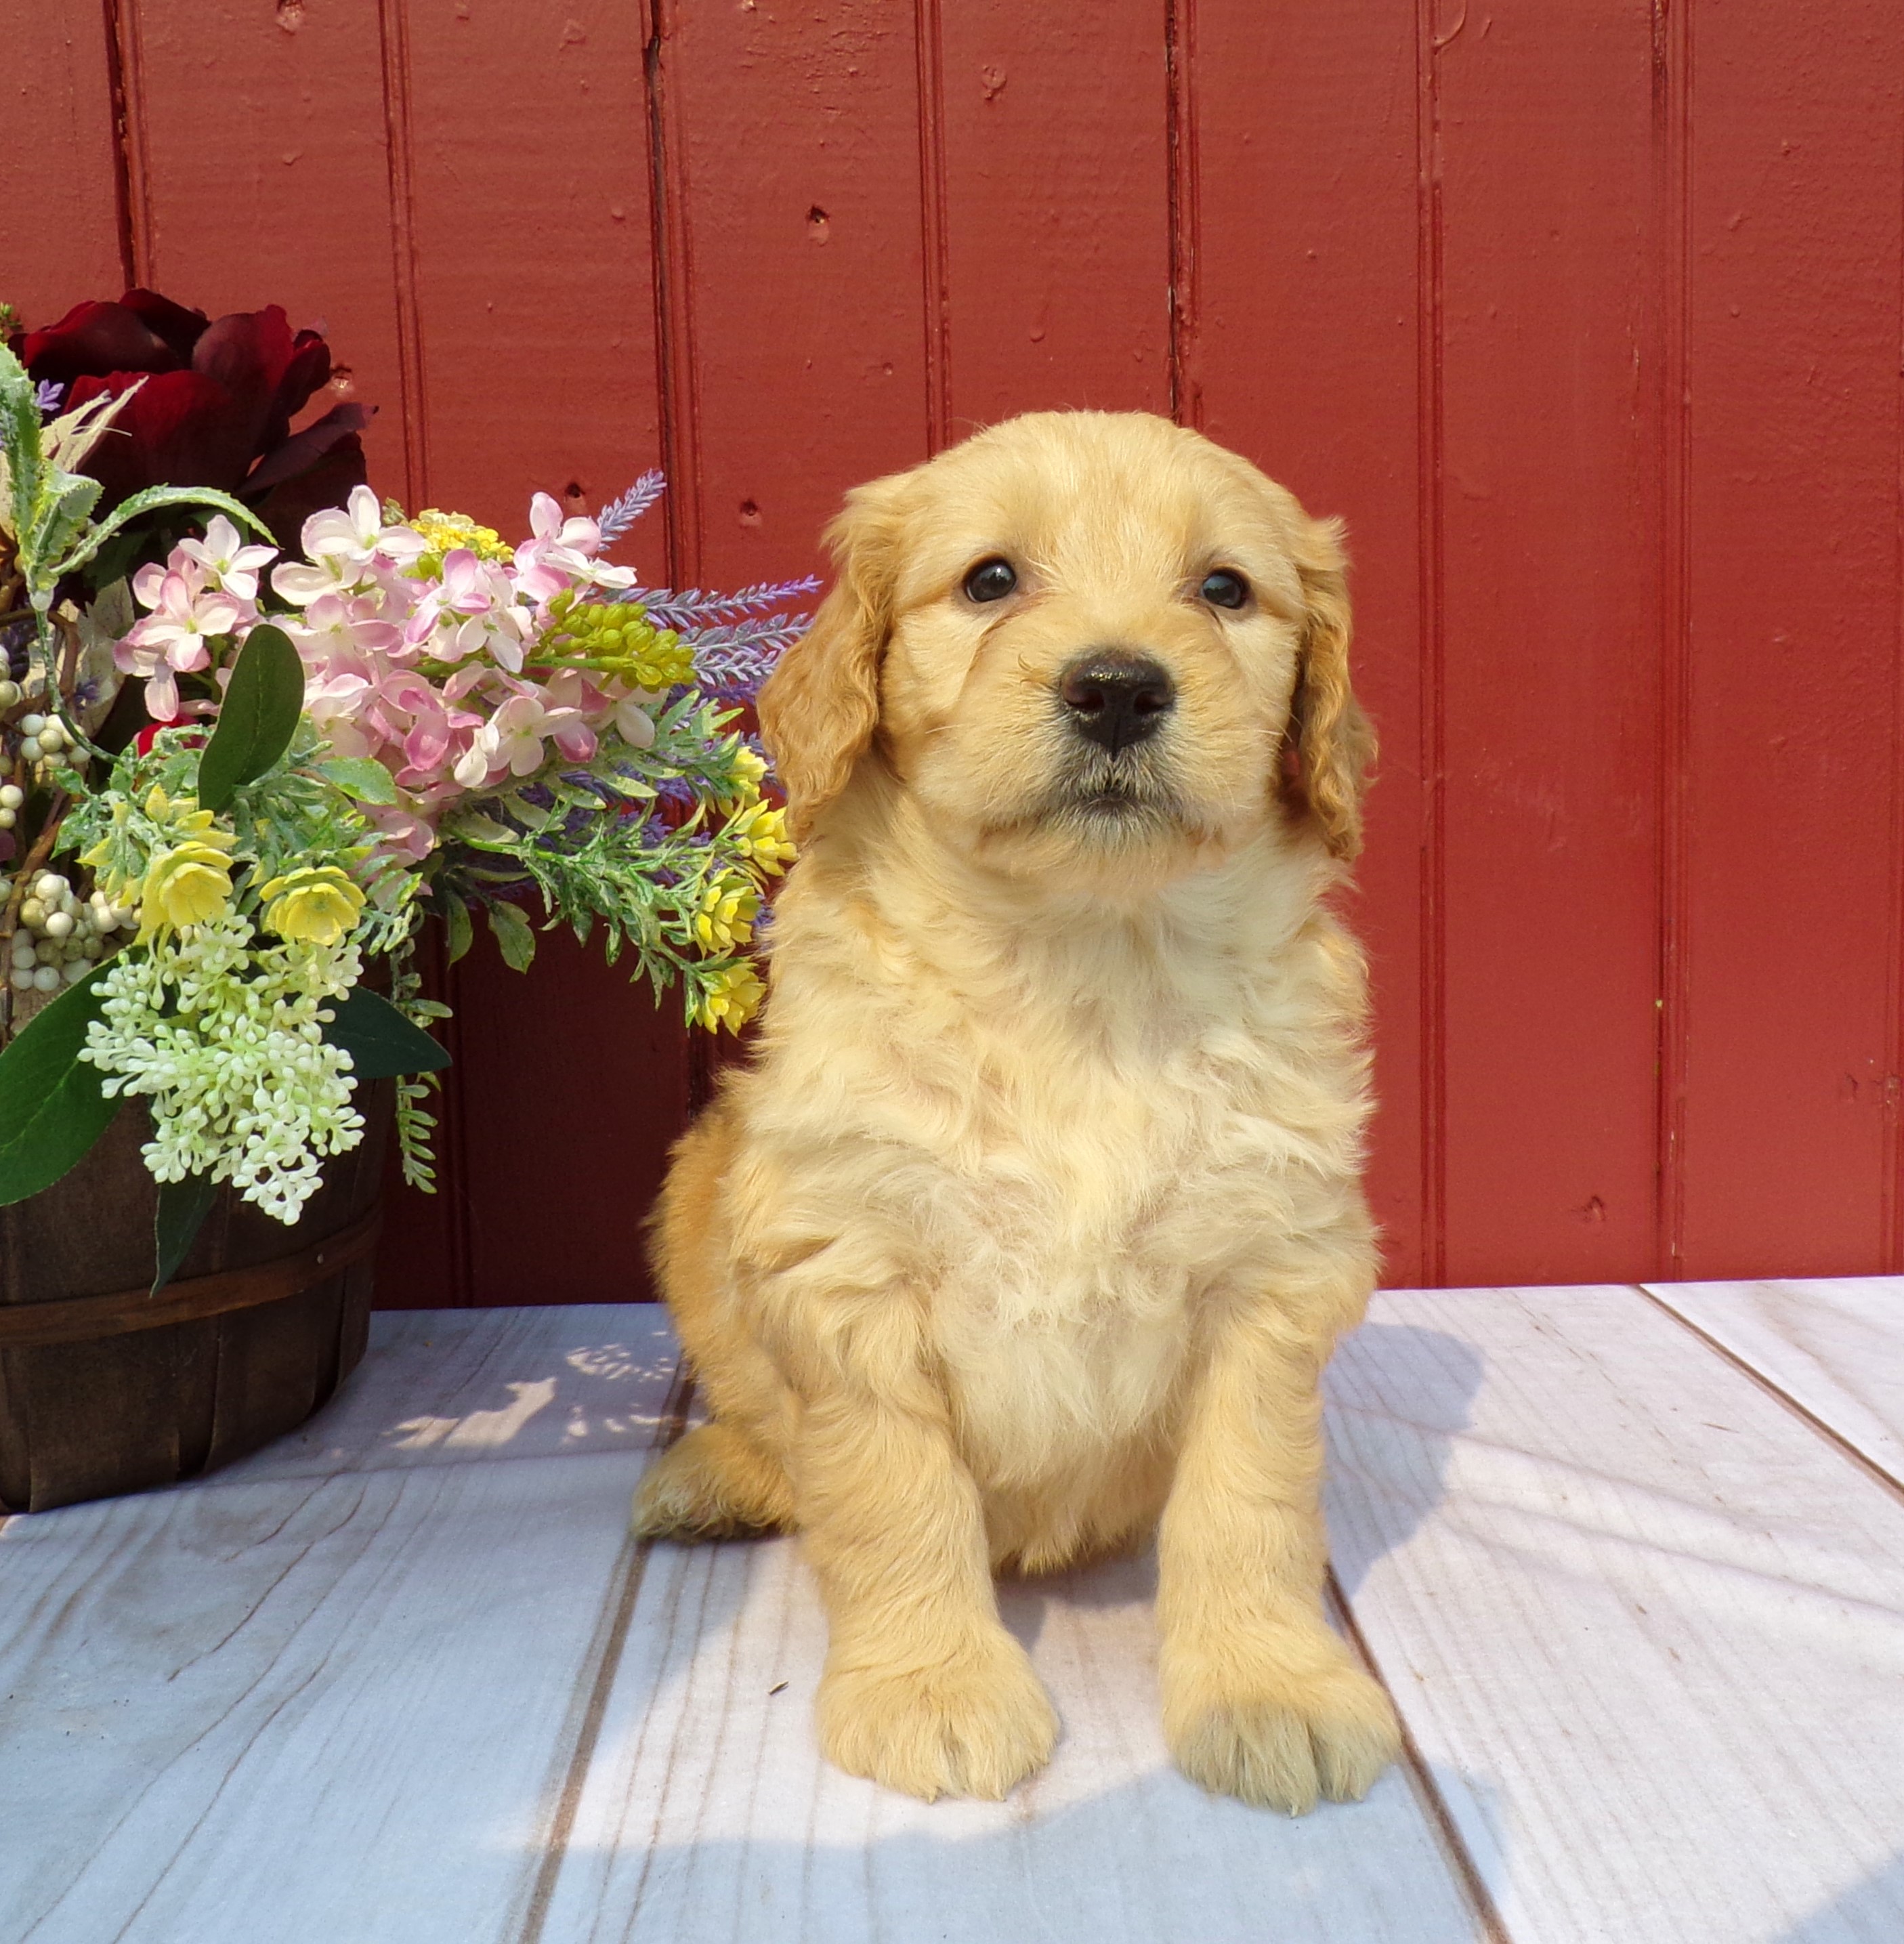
(1029, 1228)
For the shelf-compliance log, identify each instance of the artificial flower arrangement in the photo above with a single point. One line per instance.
(219, 915)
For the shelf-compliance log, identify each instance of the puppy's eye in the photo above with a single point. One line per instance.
(991, 580)
(1224, 589)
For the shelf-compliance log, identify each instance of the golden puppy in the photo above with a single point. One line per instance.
(1030, 1227)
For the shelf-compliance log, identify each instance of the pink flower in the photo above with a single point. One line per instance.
(560, 555)
(171, 641)
(348, 546)
(232, 568)
(510, 742)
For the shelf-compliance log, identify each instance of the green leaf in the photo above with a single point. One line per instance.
(460, 932)
(473, 827)
(52, 1109)
(361, 778)
(516, 942)
(257, 718)
(381, 1042)
(526, 814)
(182, 1208)
(144, 501)
(19, 437)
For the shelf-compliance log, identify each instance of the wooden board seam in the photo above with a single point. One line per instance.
(1836, 1439)
(581, 1760)
(1421, 1784)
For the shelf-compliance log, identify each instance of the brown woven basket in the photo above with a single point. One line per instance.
(105, 1388)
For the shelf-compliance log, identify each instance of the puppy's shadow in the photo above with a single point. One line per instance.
(1396, 1397)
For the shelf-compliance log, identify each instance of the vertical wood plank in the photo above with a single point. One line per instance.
(1792, 1059)
(572, 1085)
(790, 158)
(60, 226)
(263, 176)
(533, 292)
(534, 288)
(1547, 515)
(1056, 222)
(1301, 345)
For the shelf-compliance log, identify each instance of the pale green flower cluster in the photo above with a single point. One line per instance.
(222, 1033)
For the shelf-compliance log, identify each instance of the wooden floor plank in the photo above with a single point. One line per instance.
(710, 1815)
(304, 1710)
(1647, 1625)
(1836, 1349)
(1647, 1628)
(439, 1386)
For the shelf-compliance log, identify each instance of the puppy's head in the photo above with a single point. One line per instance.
(1082, 640)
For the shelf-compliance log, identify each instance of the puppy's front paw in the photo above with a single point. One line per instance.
(1280, 1740)
(976, 1725)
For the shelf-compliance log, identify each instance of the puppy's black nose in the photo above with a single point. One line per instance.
(1116, 699)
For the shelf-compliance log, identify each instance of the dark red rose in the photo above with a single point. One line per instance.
(215, 406)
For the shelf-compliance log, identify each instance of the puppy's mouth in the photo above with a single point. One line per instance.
(1116, 797)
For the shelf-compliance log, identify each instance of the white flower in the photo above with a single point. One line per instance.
(224, 1036)
(356, 534)
(231, 567)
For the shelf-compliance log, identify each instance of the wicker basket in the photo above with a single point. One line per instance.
(105, 1388)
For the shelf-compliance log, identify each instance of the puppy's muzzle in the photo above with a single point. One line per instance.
(1115, 698)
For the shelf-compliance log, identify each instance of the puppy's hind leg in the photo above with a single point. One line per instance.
(715, 1482)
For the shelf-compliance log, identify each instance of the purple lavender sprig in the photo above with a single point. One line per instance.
(619, 516)
(689, 609)
(731, 663)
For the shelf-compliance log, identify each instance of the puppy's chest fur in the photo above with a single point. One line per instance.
(1079, 1210)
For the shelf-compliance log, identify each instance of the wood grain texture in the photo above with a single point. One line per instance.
(1646, 1624)
(336, 1692)
(1793, 755)
(308, 1709)
(444, 1387)
(61, 228)
(1586, 318)
(1549, 920)
(709, 1815)
(401, 1678)
(1834, 1348)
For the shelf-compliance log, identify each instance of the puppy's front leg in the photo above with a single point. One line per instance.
(924, 1690)
(1261, 1700)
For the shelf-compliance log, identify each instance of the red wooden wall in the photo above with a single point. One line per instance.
(1586, 316)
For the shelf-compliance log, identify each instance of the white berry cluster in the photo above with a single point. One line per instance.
(58, 935)
(242, 1085)
(41, 738)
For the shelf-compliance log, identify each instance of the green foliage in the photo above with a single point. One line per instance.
(258, 719)
(51, 1108)
(383, 1042)
(514, 939)
(292, 816)
(182, 1208)
(360, 778)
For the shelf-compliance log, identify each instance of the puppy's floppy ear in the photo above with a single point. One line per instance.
(1330, 736)
(819, 707)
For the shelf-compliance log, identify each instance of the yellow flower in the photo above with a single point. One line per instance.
(748, 772)
(729, 906)
(185, 885)
(731, 999)
(182, 813)
(761, 833)
(318, 903)
(444, 533)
